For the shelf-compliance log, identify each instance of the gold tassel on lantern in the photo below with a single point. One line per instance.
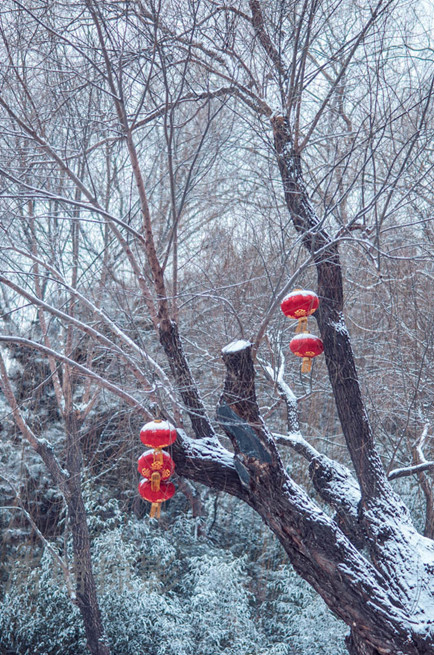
(155, 481)
(302, 325)
(306, 365)
(158, 458)
(155, 510)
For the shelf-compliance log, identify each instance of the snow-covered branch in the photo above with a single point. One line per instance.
(410, 470)
(95, 334)
(41, 446)
(420, 463)
(100, 381)
(61, 562)
(119, 333)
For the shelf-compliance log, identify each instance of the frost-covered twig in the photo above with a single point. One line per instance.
(411, 470)
(124, 338)
(420, 463)
(102, 382)
(63, 565)
(41, 446)
(95, 334)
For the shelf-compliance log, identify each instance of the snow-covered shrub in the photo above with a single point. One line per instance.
(165, 591)
(296, 620)
(37, 616)
(219, 606)
(139, 613)
(290, 617)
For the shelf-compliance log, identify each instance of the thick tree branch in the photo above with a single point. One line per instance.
(207, 462)
(187, 387)
(263, 36)
(317, 548)
(334, 483)
(385, 519)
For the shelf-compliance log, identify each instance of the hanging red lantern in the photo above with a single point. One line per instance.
(300, 304)
(155, 465)
(156, 496)
(307, 346)
(156, 461)
(158, 434)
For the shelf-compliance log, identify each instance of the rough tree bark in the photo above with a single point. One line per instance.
(188, 390)
(386, 598)
(385, 592)
(86, 593)
(317, 548)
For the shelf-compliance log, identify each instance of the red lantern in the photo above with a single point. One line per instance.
(156, 496)
(158, 434)
(300, 304)
(307, 346)
(156, 465)
(156, 461)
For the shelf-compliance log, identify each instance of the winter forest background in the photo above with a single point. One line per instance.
(170, 169)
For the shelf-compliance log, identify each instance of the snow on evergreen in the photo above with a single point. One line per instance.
(166, 592)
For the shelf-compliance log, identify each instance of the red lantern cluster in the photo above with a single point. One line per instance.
(300, 304)
(156, 466)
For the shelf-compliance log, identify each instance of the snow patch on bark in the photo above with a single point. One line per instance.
(205, 449)
(339, 326)
(407, 559)
(236, 346)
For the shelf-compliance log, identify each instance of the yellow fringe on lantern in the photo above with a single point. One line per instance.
(155, 511)
(302, 325)
(155, 481)
(306, 365)
(158, 457)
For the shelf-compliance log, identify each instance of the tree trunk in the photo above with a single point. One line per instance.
(337, 346)
(171, 342)
(352, 588)
(86, 594)
(357, 646)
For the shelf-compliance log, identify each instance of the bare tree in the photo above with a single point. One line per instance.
(159, 126)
